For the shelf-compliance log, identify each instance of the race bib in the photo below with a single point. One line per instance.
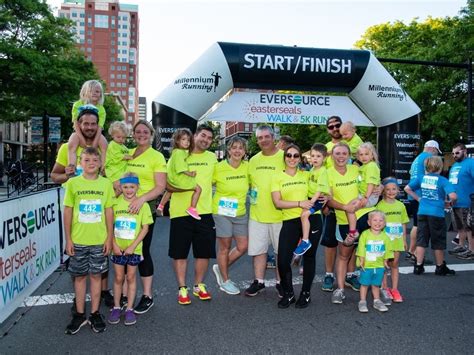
(453, 175)
(90, 211)
(374, 249)
(228, 207)
(253, 193)
(429, 187)
(125, 228)
(394, 230)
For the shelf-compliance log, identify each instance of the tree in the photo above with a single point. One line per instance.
(440, 92)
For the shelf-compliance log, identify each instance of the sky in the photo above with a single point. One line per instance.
(174, 33)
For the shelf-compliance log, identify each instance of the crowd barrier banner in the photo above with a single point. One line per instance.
(29, 246)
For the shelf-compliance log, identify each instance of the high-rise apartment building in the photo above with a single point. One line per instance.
(142, 107)
(107, 32)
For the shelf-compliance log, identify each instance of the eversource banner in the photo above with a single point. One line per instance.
(29, 246)
(270, 107)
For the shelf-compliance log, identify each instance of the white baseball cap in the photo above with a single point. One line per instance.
(433, 144)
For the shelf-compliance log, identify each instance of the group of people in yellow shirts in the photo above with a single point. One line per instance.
(289, 209)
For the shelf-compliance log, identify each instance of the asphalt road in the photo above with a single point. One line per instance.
(436, 317)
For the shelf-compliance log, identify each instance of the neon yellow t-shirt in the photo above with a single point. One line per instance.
(354, 143)
(203, 164)
(344, 189)
(368, 174)
(127, 226)
(177, 164)
(261, 170)
(115, 166)
(89, 199)
(232, 185)
(375, 248)
(328, 162)
(395, 217)
(79, 103)
(291, 188)
(63, 157)
(145, 166)
(318, 181)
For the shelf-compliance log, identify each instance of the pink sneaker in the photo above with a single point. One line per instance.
(193, 213)
(397, 297)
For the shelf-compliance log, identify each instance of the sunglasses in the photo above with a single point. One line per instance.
(289, 155)
(331, 127)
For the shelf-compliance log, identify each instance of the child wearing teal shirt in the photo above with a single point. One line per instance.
(373, 253)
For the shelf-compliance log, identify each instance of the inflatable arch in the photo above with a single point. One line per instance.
(219, 84)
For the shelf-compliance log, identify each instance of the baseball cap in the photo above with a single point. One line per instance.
(85, 109)
(333, 119)
(433, 144)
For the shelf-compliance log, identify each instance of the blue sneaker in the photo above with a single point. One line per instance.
(328, 283)
(352, 282)
(302, 247)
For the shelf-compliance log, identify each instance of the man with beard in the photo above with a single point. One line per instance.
(461, 175)
(88, 120)
(185, 231)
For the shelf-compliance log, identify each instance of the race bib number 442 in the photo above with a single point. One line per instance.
(90, 211)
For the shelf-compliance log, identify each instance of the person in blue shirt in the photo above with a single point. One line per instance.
(417, 169)
(461, 175)
(434, 189)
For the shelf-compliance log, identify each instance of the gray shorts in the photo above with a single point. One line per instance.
(461, 219)
(88, 259)
(262, 235)
(228, 227)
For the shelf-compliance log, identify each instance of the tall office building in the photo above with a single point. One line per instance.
(107, 32)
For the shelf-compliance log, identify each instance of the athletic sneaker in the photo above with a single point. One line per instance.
(303, 300)
(97, 322)
(229, 287)
(200, 291)
(114, 316)
(218, 274)
(271, 263)
(287, 300)
(254, 288)
(418, 269)
(144, 305)
(457, 250)
(397, 297)
(338, 296)
(363, 307)
(467, 255)
(130, 317)
(389, 293)
(77, 322)
(385, 297)
(280, 291)
(443, 270)
(107, 297)
(302, 247)
(160, 209)
(193, 213)
(379, 306)
(455, 240)
(183, 296)
(328, 283)
(352, 282)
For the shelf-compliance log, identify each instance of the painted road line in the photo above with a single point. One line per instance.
(64, 298)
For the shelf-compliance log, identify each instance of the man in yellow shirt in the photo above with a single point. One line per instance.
(265, 219)
(62, 172)
(185, 231)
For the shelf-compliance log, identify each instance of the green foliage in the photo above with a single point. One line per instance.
(440, 92)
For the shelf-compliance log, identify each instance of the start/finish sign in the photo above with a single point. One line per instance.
(268, 107)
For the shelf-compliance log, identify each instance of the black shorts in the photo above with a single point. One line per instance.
(432, 229)
(343, 229)
(88, 259)
(329, 230)
(461, 219)
(187, 231)
(414, 211)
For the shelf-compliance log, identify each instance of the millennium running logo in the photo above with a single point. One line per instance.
(388, 92)
(202, 83)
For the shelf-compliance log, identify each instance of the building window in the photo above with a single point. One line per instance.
(124, 35)
(124, 68)
(247, 127)
(112, 84)
(112, 60)
(112, 34)
(89, 33)
(74, 14)
(112, 67)
(81, 32)
(101, 21)
(124, 27)
(124, 51)
(89, 50)
(124, 93)
(112, 42)
(82, 24)
(82, 15)
(131, 70)
(112, 76)
(89, 41)
(112, 50)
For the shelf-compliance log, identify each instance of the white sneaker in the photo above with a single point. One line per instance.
(218, 274)
(229, 288)
(363, 307)
(379, 306)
